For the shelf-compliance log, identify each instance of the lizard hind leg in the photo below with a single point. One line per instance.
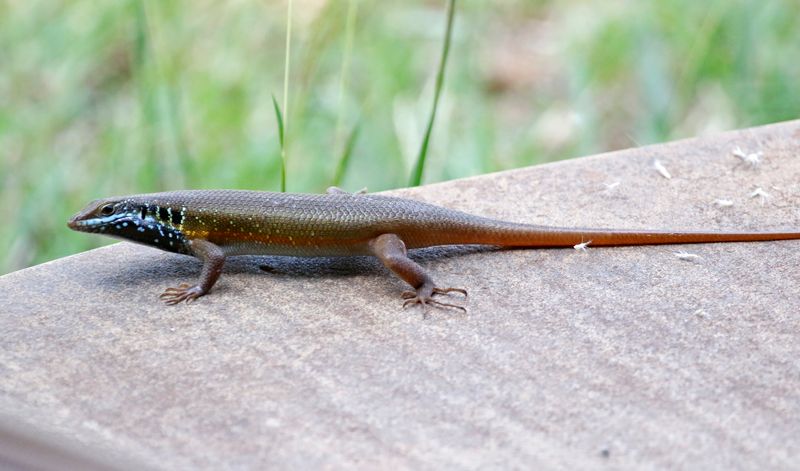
(391, 251)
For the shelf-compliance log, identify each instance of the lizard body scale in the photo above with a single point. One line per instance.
(213, 224)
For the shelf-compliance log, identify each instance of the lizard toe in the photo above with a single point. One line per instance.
(426, 300)
(183, 292)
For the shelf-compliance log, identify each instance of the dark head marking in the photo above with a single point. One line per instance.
(128, 219)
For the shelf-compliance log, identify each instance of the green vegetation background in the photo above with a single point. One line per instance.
(103, 97)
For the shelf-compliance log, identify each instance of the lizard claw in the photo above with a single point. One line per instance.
(424, 297)
(183, 292)
(413, 294)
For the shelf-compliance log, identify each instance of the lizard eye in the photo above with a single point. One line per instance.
(107, 210)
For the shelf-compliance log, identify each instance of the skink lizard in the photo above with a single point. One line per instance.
(213, 224)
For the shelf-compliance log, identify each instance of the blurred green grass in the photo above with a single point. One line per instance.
(102, 98)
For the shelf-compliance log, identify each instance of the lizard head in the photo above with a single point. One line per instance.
(104, 215)
(133, 219)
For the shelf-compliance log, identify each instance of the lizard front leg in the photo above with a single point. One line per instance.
(213, 259)
(391, 251)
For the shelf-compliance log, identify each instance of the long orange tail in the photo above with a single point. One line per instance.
(567, 237)
(561, 237)
(524, 235)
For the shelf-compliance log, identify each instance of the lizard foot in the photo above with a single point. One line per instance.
(183, 292)
(424, 297)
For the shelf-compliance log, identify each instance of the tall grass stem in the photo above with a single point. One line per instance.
(416, 174)
(347, 152)
(349, 29)
(285, 122)
(279, 120)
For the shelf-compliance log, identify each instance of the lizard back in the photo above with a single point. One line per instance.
(255, 222)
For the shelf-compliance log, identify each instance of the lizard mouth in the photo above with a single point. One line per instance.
(75, 223)
(82, 223)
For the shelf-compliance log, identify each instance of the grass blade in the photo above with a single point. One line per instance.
(352, 11)
(159, 99)
(149, 173)
(416, 174)
(279, 118)
(346, 154)
(283, 122)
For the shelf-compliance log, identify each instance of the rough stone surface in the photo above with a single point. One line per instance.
(621, 357)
